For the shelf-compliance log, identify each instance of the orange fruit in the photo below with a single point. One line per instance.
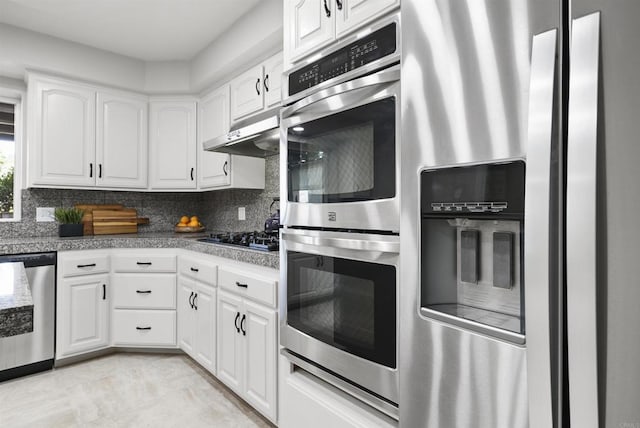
(193, 224)
(184, 220)
(194, 218)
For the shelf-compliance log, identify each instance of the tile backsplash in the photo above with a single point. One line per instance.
(218, 210)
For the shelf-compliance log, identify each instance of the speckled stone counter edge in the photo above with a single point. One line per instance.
(151, 240)
(16, 312)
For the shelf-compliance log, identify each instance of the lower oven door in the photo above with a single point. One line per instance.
(340, 314)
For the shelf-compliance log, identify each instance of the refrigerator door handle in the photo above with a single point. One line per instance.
(538, 242)
(582, 222)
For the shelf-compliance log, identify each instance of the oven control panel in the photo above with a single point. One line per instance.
(374, 46)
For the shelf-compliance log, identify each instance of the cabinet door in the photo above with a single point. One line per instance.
(205, 326)
(121, 141)
(186, 315)
(247, 93)
(260, 358)
(357, 12)
(213, 121)
(83, 314)
(172, 144)
(308, 26)
(272, 83)
(62, 141)
(229, 344)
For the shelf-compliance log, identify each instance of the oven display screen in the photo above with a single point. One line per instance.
(374, 46)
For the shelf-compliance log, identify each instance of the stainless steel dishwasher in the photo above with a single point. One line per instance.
(33, 352)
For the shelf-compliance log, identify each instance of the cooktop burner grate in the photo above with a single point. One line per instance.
(256, 240)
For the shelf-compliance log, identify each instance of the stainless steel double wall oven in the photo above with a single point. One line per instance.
(339, 157)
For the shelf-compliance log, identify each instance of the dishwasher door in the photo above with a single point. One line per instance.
(33, 352)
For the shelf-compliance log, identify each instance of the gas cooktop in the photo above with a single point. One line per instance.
(256, 240)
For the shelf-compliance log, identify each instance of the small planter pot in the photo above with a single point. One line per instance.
(65, 230)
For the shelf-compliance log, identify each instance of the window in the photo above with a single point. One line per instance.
(9, 159)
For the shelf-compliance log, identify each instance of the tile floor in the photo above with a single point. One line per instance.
(124, 390)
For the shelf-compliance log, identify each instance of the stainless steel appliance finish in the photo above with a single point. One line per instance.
(256, 136)
(468, 84)
(365, 212)
(603, 239)
(32, 352)
(374, 382)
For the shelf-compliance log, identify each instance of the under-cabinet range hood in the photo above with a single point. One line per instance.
(257, 136)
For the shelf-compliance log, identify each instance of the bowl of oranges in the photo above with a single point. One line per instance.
(189, 225)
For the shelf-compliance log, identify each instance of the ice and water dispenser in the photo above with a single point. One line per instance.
(472, 247)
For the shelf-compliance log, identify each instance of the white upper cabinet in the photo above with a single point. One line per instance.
(353, 13)
(62, 123)
(272, 82)
(247, 95)
(308, 26)
(121, 142)
(213, 121)
(172, 144)
(257, 88)
(312, 24)
(83, 136)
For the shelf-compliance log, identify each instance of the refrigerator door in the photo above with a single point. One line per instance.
(603, 201)
(466, 68)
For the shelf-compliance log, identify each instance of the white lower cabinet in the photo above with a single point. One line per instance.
(220, 312)
(144, 328)
(144, 298)
(197, 321)
(247, 343)
(82, 303)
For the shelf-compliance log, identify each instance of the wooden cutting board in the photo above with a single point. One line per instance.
(87, 218)
(106, 222)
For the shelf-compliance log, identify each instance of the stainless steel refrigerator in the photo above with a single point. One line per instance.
(520, 311)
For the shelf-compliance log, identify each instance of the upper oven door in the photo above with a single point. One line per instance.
(340, 156)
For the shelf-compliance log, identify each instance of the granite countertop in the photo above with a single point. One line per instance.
(16, 303)
(141, 240)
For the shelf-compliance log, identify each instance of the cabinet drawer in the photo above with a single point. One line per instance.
(248, 284)
(153, 291)
(144, 263)
(201, 270)
(144, 328)
(84, 265)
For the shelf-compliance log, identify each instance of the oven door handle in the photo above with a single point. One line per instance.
(344, 243)
(355, 87)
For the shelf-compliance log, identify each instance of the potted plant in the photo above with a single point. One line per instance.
(70, 220)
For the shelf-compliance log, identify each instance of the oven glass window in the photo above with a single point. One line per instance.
(344, 157)
(348, 304)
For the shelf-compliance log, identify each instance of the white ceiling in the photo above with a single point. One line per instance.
(150, 30)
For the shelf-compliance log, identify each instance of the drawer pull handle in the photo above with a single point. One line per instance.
(244, 318)
(195, 302)
(144, 263)
(86, 266)
(239, 284)
(143, 291)
(236, 322)
(194, 269)
(143, 328)
(191, 301)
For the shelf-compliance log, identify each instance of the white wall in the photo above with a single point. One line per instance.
(23, 49)
(254, 37)
(167, 77)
